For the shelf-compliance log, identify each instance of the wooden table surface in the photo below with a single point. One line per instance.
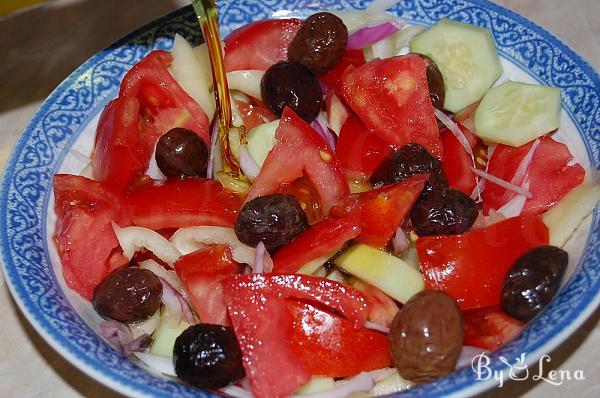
(42, 46)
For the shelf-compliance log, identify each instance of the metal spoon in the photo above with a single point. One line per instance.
(208, 18)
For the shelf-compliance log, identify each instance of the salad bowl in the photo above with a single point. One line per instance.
(61, 134)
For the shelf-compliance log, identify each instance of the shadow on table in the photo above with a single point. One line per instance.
(40, 47)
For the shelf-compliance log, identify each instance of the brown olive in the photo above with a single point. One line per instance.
(435, 81)
(320, 42)
(128, 295)
(532, 281)
(443, 212)
(426, 336)
(408, 161)
(292, 84)
(273, 219)
(180, 152)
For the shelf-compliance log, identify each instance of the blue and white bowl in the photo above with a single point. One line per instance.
(64, 126)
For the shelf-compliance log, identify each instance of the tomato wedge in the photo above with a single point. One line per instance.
(470, 267)
(254, 113)
(329, 345)
(333, 78)
(260, 44)
(321, 239)
(490, 328)
(457, 161)
(264, 327)
(381, 211)
(550, 174)
(391, 97)
(360, 151)
(185, 202)
(301, 150)
(86, 242)
(201, 273)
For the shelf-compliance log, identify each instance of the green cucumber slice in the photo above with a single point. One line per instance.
(515, 113)
(466, 56)
(260, 141)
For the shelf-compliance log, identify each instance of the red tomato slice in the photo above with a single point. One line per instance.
(301, 150)
(550, 175)
(391, 97)
(381, 211)
(321, 239)
(260, 44)
(303, 190)
(328, 345)
(254, 113)
(85, 239)
(489, 328)
(360, 151)
(382, 308)
(185, 202)
(470, 267)
(201, 273)
(457, 161)
(264, 327)
(333, 78)
(150, 103)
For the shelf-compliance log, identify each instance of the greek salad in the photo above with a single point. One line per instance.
(394, 208)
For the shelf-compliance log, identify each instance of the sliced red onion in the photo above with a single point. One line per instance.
(521, 171)
(177, 307)
(467, 354)
(190, 239)
(133, 239)
(120, 336)
(500, 182)
(377, 327)
(158, 363)
(378, 6)
(368, 35)
(478, 190)
(259, 259)
(247, 164)
(168, 275)
(363, 382)
(236, 391)
(320, 126)
(400, 242)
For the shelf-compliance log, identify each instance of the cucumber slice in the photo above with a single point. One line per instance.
(515, 113)
(466, 56)
(260, 141)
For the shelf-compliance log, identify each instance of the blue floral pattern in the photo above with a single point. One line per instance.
(26, 186)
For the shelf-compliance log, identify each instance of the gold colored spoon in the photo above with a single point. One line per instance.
(208, 18)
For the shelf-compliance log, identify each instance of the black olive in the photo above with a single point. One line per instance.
(443, 212)
(208, 356)
(180, 152)
(435, 81)
(292, 84)
(128, 295)
(319, 43)
(273, 219)
(532, 281)
(408, 161)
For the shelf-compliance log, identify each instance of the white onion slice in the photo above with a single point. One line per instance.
(504, 184)
(380, 374)
(259, 259)
(377, 327)
(319, 124)
(153, 170)
(336, 113)
(362, 382)
(157, 363)
(478, 190)
(168, 275)
(400, 242)
(190, 239)
(215, 158)
(133, 239)
(120, 336)
(454, 129)
(173, 309)
(515, 205)
(246, 81)
(236, 391)
(247, 163)
(145, 327)
(521, 172)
